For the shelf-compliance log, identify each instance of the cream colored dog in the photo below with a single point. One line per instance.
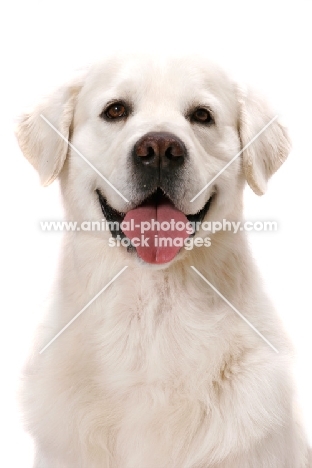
(158, 371)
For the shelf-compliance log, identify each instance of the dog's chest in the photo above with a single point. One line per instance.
(159, 338)
(157, 370)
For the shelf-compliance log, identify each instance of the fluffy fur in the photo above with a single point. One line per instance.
(158, 372)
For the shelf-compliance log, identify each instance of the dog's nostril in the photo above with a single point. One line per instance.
(168, 153)
(147, 155)
(150, 153)
(174, 151)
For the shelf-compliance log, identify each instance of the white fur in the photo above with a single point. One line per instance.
(159, 372)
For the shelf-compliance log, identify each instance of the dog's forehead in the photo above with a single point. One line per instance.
(179, 78)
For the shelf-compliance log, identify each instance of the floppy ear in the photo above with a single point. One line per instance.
(40, 143)
(268, 151)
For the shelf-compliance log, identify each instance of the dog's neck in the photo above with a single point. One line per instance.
(227, 259)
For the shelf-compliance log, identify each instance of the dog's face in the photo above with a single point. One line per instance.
(158, 131)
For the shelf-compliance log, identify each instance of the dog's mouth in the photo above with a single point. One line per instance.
(156, 229)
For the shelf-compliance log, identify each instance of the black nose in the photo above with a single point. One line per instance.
(159, 149)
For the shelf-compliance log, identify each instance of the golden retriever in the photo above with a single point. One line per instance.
(179, 360)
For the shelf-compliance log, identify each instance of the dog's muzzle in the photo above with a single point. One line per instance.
(158, 162)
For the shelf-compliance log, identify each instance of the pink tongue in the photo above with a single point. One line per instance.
(163, 245)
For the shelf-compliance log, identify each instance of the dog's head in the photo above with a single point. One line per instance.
(147, 139)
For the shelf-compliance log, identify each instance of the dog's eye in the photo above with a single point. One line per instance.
(202, 115)
(117, 110)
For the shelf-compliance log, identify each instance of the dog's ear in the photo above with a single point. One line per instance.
(41, 144)
(267, 152)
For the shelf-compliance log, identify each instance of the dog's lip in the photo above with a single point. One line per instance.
(109, 211)
(115, 218)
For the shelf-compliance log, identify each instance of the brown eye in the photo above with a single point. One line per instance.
(117, 110)
(202, 115)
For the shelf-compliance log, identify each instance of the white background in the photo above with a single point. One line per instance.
(267, 43)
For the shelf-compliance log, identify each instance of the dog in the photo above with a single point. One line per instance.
(162, 351)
